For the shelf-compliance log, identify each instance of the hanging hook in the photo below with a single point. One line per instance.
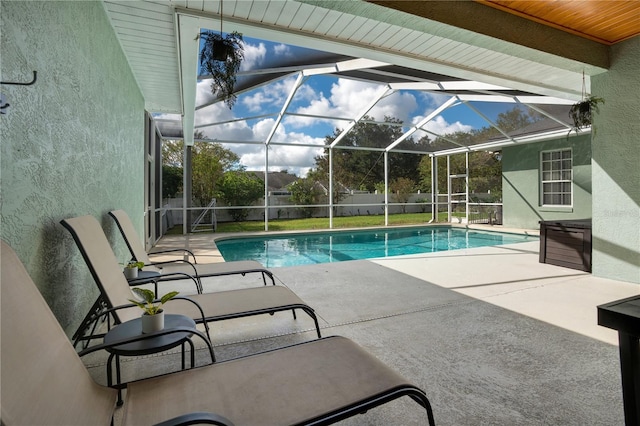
(4, 105)
(35, 76)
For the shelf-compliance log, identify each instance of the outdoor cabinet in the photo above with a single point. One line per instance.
(566, 243)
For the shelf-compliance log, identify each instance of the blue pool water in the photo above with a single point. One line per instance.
(338, 246)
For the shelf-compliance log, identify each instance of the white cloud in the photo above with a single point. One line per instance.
(350, 97)
(270, 96)
(294, 160)
(282, 50)
(345, 98)
(253, 55)
(262, 129)
(256, 102)
(440, 126)
(297, 160)
(432, 100)
(203, 93)
(167, 116)
(399, 105)
(305, 92)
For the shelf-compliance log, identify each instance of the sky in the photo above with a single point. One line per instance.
(320, 95)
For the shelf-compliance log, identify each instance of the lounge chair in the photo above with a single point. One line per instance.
(217, 306)
(44, 381)
(183, 266)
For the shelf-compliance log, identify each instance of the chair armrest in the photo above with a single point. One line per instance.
(197, 418)
(163, 277)
(168, 262)
(131, 305)
(189, 252)
(191, 301)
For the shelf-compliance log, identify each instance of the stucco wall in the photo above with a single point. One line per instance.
(72, 143)
(616, 166)
(521, 183)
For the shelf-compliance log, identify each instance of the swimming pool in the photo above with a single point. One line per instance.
(338, 246)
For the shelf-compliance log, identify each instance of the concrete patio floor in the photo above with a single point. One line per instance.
(491, 335)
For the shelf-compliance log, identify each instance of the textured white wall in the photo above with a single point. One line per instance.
(616, 166)
(72, 143)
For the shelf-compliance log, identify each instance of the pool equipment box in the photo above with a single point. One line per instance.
(566, 243)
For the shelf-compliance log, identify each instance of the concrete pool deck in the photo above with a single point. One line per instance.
(491, 335)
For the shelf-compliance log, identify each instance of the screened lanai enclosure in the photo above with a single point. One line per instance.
(304, 105)
(365, 131)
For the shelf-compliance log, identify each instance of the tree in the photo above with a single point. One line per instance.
(305, 192)
(171, 181)
(363, 168)
(507, 121)
(379, 188)
(485, 172)
(401, 189)
(209, 162)
(485, 168)
(240, 188)
(321, 175)
(172, 153)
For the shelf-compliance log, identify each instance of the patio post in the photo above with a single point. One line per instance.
(386, 188)
(434, 189)
(266, 187)
(330, 188)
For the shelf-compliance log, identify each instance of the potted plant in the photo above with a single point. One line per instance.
(582, 112)
(131, 269)
(153, 316)
(221, 58)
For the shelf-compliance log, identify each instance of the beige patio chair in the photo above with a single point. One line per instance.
(188, 265)
(44, 381)
(216, 306)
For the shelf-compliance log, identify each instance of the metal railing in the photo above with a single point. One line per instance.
(485, 213)
(199, 217)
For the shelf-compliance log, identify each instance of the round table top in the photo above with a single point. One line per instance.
(151, 345)
(145, 276)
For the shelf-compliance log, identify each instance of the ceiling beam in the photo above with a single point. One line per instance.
(188, 40)
(568, 72)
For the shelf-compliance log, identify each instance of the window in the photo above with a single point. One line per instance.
(556, 177)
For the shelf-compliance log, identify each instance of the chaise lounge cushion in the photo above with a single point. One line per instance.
(282, 387)
(217, 306)
(44, 382)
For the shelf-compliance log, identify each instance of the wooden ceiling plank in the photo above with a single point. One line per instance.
(603, 21)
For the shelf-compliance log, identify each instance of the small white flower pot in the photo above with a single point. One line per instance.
(152, 323)
(131, 273)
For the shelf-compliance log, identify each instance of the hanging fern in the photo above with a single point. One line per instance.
(221, 58)
(582, 112)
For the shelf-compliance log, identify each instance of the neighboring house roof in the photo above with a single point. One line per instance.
(278, 181)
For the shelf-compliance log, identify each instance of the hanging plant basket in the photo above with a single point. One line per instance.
(582, 112)
(221, 58)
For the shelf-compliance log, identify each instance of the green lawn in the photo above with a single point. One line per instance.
(320, 223)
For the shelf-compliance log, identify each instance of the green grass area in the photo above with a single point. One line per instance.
(319, 223)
